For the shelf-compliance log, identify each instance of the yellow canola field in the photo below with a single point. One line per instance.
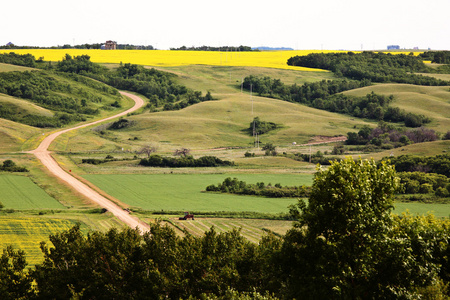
(168, 58)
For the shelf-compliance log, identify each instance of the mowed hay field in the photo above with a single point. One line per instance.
(252, 229)
(183, 192)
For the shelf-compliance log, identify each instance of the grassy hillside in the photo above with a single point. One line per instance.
(10, 68)
(14, 135)
(227, 79)
(213, 124)
(25, 107)
(431, 101)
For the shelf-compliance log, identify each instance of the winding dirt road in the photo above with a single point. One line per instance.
(47, 160)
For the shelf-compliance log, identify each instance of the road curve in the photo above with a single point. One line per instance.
(42, 153)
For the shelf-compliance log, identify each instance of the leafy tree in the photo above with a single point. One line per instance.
(14, 280)
(270, 149)
(344, 245)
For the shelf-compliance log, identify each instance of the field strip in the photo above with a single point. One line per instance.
(248, 230)
(42, 153)
(195, 223)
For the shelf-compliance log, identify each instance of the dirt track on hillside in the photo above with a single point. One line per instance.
(47, 160)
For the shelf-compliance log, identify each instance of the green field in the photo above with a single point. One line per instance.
(417, 208)
(20, 193)
(180, 192)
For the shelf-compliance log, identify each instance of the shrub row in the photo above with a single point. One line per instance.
(235, 186)
(425, 183)
(10, 166)
(184, 162)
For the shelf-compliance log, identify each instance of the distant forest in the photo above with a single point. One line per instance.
(82, 46)
(223, 48)
(376, 67)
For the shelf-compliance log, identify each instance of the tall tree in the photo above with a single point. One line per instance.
(344, 245)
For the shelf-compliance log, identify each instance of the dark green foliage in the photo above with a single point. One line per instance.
(345, 244)
(97, 161)
(10, 166)
(438, 57)
(270, 149)
(387, 136)
(120, 124)
(44, 89)
(306, 93)
(439, 164)
(14, 113)
(26, 60)
(159, 264)
(14, 280)
(376, 67)
(184, 162)
(424, 183)
(79, 65)
(315, 158)
(249, 154)
(260, 127)
(210, 48)
(234, 186)
(325, 95)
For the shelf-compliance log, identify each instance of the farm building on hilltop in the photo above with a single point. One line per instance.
(393, 47)
(110, 45)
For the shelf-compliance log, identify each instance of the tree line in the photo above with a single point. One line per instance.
(25, 60)
(10, 166)
(326, 95)
(376, 67)
(438, 57)
(439, 164)
(387, 136)
(184, 162)
(235, 186)
(210, 48)
(345, 243)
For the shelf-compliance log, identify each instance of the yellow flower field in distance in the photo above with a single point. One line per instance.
(168, 58)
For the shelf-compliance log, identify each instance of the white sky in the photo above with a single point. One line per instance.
(299, 24)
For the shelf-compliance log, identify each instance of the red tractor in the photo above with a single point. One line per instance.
(187, 215)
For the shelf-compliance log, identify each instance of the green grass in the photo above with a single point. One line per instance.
(179, 192)
(25, 106)
(418, 208)
(420, 149)
(20, 193)
(222, 80)
(11, 68)
(13, 136)
(220, 123)
(431, 101)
